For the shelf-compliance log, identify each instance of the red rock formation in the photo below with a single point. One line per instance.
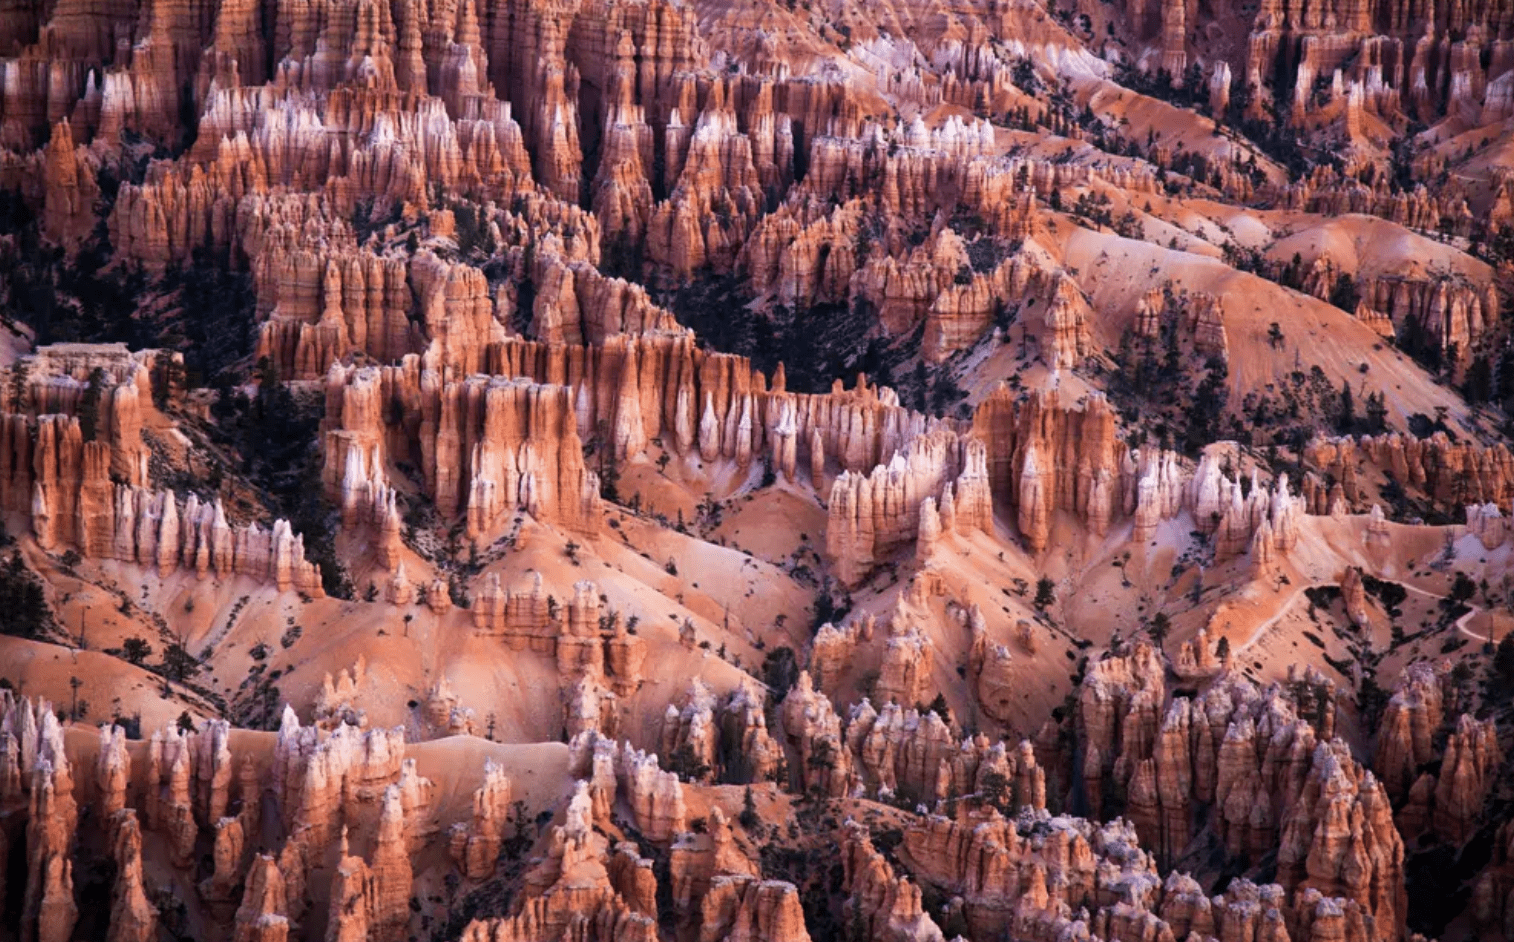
(133, 918)
(322, 305)
(261, 916)
(739, 907)
(1338, 838)
(351, 917)
(870, 517)
(990, 667)
(70, 190)
(485, 445)
(655, 797)
(1223, 507)
(1011, 883)
(571, 886)
(90, 493)
(693, 727)
(698, 862)
(1488, 523)
(230, 842)
(475, 846)
(1450, 312)
(391, 871)
(887, 906)
(833, 648)
(715, 200)
(1045, 456)
(1466, 776)
(1453, 475)
(906, 666)
(1407, 727)
(811, 726)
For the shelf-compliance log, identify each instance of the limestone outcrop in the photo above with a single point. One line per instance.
(1406, 731)
(486, 446)
(262, 917)
(746, 908)
(480, 239)
(133, 918)
(1466, 776)
(886, 904)
(204, 789)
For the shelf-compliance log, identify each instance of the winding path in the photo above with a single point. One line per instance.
(1264, 627)
(1461, 623)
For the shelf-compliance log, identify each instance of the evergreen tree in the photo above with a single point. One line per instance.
(136, 650)
(1344, 294)
(1377, 413)
(89, 405)
(23, 601)
(1347, 420)
(748, 817)
(1503, 669)
(178, 664)
(1477, 385)
(1046, 593)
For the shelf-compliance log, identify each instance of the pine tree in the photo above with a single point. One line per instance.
(136, 650)
(1503, 669)
(749, 818)
(1477, 386)
(1348, 409)
(1377, 413)
(1046, 593)
(89, 404)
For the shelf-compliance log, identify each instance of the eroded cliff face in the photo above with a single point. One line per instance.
(486, 446)
(475, 235)
(355, 797)
(77, 463)
(1447, 804)
(517, 440)
(1452, 475)
(1270, 778)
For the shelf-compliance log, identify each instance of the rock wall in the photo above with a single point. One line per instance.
(587, 646)
(1382, 58)
(1263, 760)
(898, 752)
(484, 447)
(72, 456)
(869, 517)
(1452, 474)
(1045, 455)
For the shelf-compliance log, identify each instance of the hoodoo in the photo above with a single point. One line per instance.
(672, 471)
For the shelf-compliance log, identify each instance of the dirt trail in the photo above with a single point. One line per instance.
(1461, 623)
